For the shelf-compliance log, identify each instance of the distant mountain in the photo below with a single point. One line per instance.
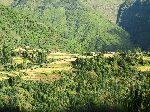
(67, 25)
(134, 17)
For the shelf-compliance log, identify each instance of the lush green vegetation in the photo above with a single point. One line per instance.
(95, 84)
(107, 8)
(20, 58)
(17, 29)
(65, 26)
(36, 76)
(81, 22)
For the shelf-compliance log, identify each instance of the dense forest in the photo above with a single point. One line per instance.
(70, 23)
(90, 23)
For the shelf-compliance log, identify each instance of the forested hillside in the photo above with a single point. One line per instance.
(107, 8)
(62, 25)
(134, 17)
(17, 29)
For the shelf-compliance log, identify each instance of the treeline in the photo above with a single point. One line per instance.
(21, 58)
(97, 84)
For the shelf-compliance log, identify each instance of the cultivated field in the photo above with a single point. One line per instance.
(52, 71)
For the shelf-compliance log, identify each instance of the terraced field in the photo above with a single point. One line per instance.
(48, 72)
(145, 68)
(52, 71)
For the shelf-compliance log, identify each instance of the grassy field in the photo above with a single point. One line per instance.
(146, 58)
(145, 68)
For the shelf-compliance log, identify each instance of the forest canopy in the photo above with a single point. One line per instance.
(61, 25)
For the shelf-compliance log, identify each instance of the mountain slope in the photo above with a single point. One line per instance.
(17, 29)
(134, 17)
(107, 8)
(76, 28)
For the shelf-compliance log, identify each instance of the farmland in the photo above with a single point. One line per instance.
(49, 71)
(104, 80)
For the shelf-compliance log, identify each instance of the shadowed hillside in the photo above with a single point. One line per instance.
(134, 17)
